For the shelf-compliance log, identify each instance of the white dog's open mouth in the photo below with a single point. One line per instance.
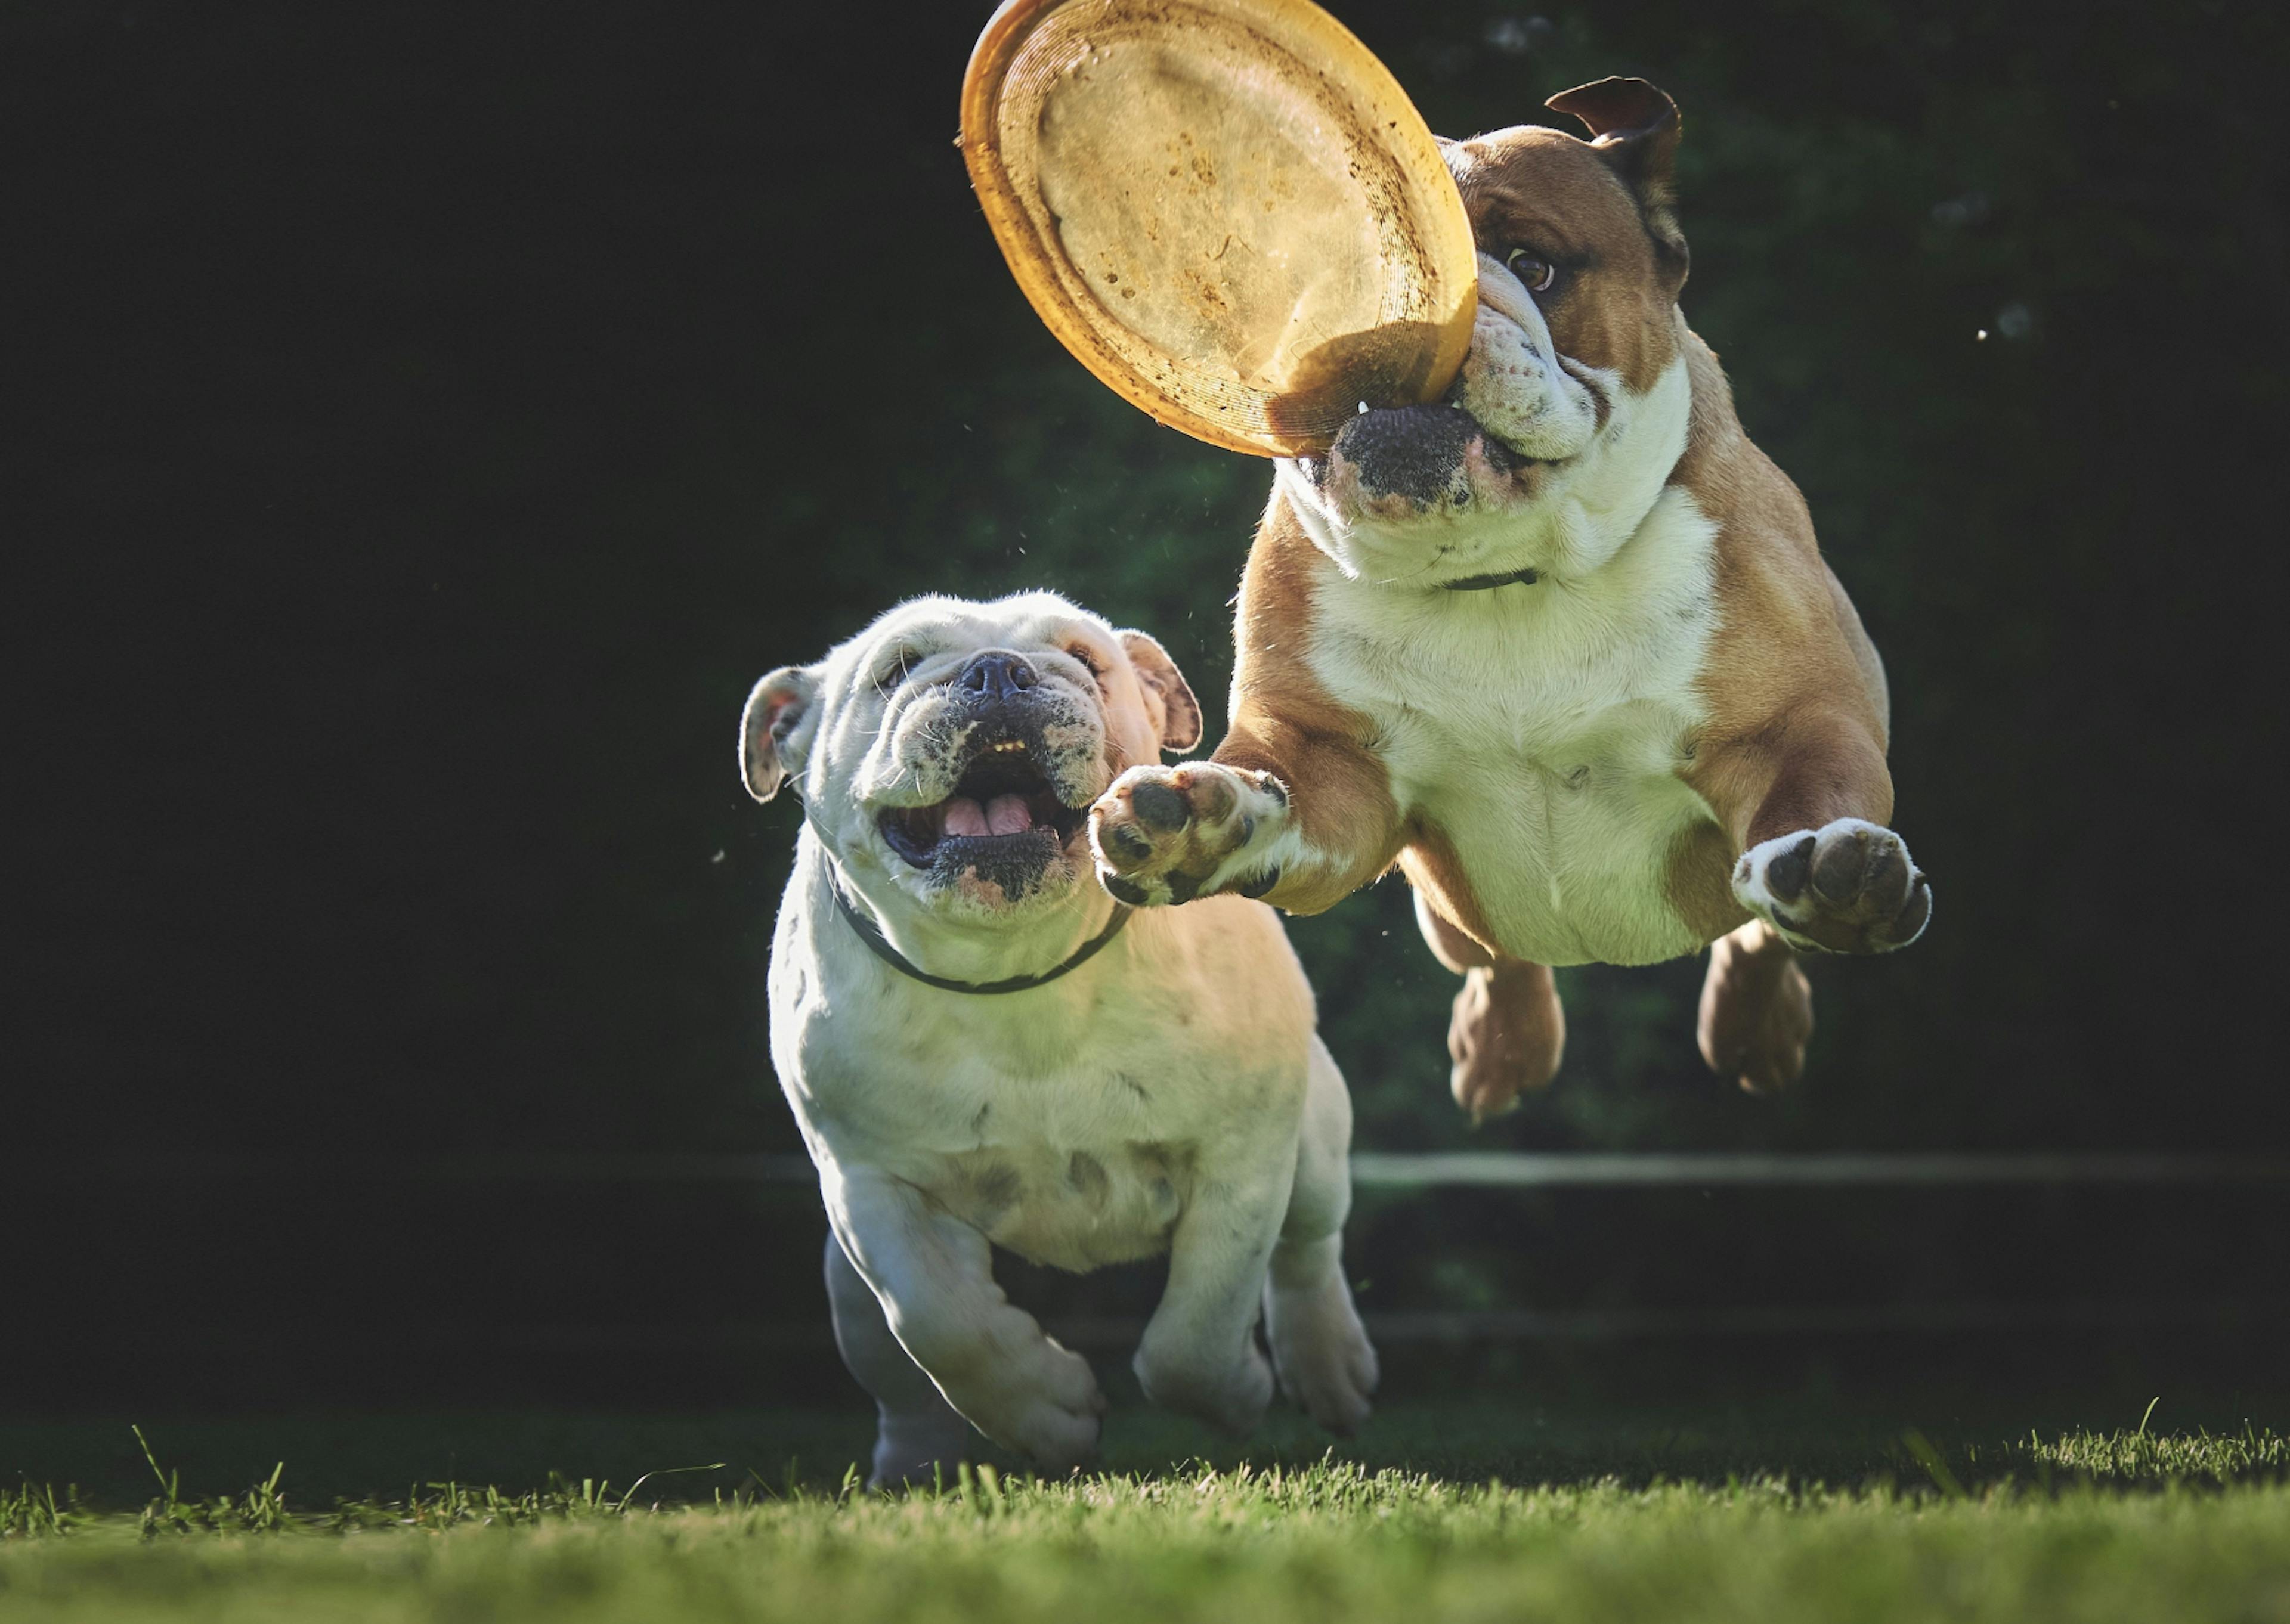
(1003, 807)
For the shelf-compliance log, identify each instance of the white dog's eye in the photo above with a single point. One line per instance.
(1536, 273)
(895, 668)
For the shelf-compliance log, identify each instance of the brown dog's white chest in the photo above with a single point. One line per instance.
(1540, 730)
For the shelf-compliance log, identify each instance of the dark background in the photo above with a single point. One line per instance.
(427, 422)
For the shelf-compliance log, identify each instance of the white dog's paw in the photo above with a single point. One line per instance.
(1055, 1438)
(1172, 833)
(919, 1452)
(1059, 1427)
(1321, 1349)
(1232, 1395)
(1042, 1401)
(1847, 888)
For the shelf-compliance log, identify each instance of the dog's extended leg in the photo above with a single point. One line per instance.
(919, 1438)
(1814, 859)
(1302, 818)
(1507, 1032)
(1756, 1009)
(934, 1276)
(1199, 1354)
(1319, 1348)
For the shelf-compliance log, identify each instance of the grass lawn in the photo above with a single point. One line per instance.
(1465, 1510)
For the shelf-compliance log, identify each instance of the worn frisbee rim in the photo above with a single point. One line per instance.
(1293, 31)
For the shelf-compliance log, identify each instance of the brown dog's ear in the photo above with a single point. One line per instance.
(1166, 691)
(776, 708)
(1635, 127)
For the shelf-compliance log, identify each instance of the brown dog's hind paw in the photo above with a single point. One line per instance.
(1505, 1035)
(1756, 1010)
(1849, 887)
(1166, 834)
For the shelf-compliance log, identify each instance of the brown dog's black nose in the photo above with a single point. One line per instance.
(1415, 451)
(996, 675)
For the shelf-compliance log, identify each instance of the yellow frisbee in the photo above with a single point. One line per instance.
(1227, 209)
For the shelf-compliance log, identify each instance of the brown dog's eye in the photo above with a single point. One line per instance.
(1090, 661)
(1536, 274)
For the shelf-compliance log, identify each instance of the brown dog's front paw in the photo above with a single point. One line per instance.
(1172, 833)
(1849, 887)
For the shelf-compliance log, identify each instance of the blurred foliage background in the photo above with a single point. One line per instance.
(431, 420)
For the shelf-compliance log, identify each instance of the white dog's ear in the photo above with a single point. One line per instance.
(776, 710)
(1167, 695)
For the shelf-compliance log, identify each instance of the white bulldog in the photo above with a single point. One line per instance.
(984, 1048)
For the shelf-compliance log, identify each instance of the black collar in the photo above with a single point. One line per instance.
(871, 933)
(1488, 583)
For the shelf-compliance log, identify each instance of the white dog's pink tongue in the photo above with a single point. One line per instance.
(964, 816)
(1008, 814)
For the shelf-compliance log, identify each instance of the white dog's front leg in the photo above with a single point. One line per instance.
(934, 1277)
(1319, 1348)
(1199, 1354)
(919, 1439)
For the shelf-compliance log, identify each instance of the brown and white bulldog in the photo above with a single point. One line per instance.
(1563, 646)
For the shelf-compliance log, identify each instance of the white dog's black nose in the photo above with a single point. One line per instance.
(996, 675)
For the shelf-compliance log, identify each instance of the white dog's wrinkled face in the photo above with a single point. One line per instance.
(951, 750)
(1573, 402)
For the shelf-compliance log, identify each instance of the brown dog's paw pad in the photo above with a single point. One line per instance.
(1840, 864)
(1160, 808)
(1167, 834)
(1786, 873)
(1850, 887)
(1129, 840)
